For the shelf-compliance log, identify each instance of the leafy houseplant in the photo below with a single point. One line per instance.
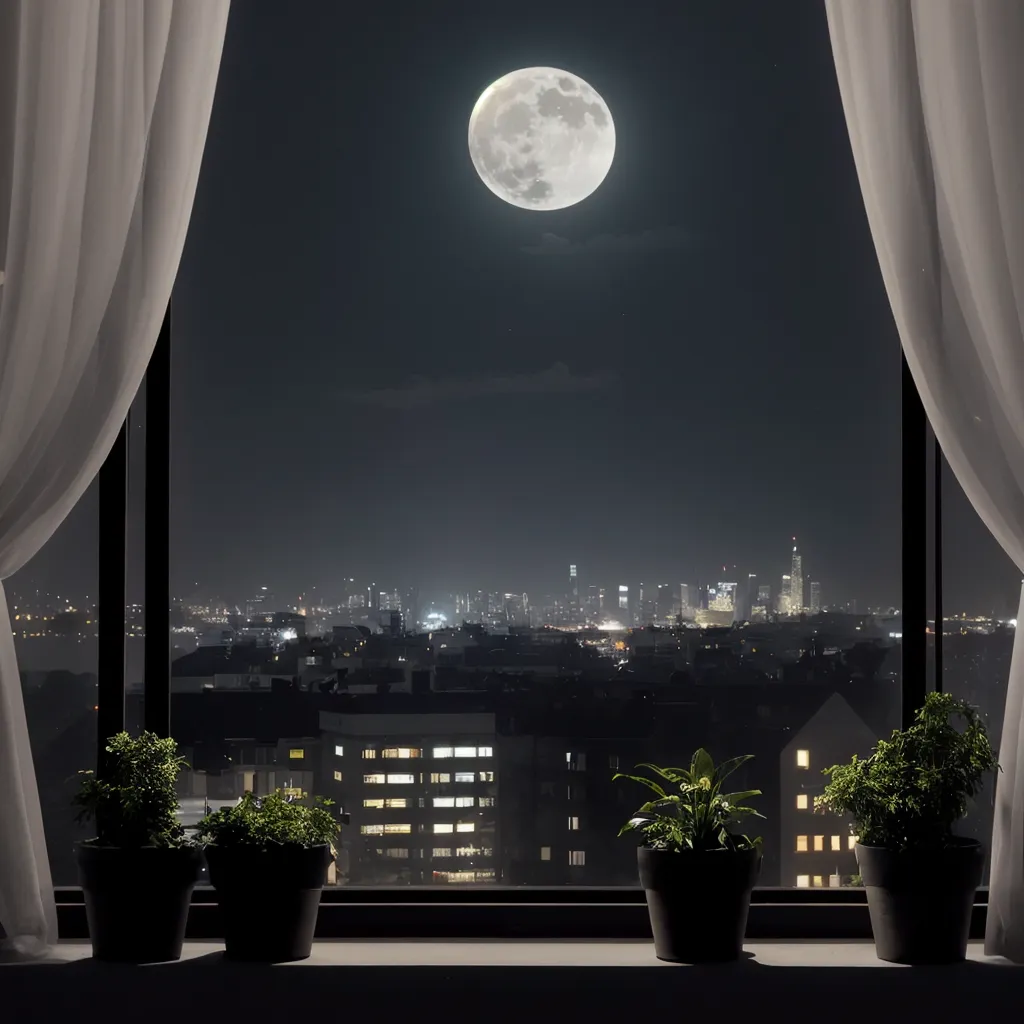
(903, 801)
(139, 847)
(697, 874)
(268, 859)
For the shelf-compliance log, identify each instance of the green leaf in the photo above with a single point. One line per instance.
(735, 798)
(726, 768)
(702, 766)
(649, 783)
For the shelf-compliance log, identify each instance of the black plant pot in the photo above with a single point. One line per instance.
(136, 901)
(268, 899)
(920, 901)
(698, 902)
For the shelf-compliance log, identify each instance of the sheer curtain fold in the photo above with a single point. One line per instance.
(931, 90)
(104, 110)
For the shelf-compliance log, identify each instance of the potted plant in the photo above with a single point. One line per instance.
(268, 859)
(697, 875)
(904, 801)
(137, 874)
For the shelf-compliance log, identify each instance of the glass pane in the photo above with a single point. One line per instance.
(53, 609)
(518, 490)
(981, 590)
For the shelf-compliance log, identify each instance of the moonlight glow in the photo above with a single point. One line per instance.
(541, 138)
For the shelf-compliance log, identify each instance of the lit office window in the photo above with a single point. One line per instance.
(443, 752)
(441, 851)
(545, 853)
(803, 759)
(819, 844)
(369, 753)
(338, 777)
(485, 751)
(466, 826)
(401, 752)
(486, 801)
(851, 842)
(378, 803)
(837, 842)
(372, 830)
(376, 779)
(444, 801)
(443, 828)
(296, 753)
(464, 801)
(396, 801)
(339, 751)
(438, 777)
(398, 852)
(818, 882)
(801, 801)
(468, 851)
(803, 881)
(577, 858)
(464, 777)
(401, 780)
(574, 823)
(801, 844)
(486, 776)
(465, 751)
(397, 830)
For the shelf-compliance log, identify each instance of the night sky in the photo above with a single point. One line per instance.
(383, 371)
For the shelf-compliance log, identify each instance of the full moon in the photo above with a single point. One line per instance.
(541, 139)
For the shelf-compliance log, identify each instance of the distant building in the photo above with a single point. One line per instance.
(814, 604)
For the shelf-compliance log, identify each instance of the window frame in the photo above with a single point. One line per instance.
(573, 911)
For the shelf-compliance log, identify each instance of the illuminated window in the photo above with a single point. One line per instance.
(464, 801)
(437, 777)
(369, 753)
(803, 881)
(851, 842)
(401, 780)
(465, 751)
(466, 826)
(372, 830)
(485, 751)
(444, 801)
(338, 777)
(468, 851)
(402, 752)
(574, 823)
(545, 853)
(803, 759)
(801, 801)
(296, 753)
(441, 851)
(819, 844)
(396, 801)
(817, 881)
(398, 852)
(443, 829)
(486, 801)
(443, 752)
(339, 751)
(292, 792)
(577, 858)
(373, 803)
(837, 843)
(801, 844)
(486, 776)
(465, 777)
(375, 779)
(397, 830)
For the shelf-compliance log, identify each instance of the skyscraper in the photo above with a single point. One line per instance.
(786, 595)
(796, 599)
(574, 595)
(814, 600)
(623, 597)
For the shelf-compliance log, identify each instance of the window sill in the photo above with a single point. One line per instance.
(525, 953)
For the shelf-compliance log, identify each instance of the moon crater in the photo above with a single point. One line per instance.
(541, 139)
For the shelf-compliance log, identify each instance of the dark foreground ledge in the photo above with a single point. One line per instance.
(524, 980)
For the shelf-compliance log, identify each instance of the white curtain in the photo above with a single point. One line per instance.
(933, 92)
(104, 109)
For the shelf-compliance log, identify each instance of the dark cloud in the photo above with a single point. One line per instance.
(652, 240)
(557, 379)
